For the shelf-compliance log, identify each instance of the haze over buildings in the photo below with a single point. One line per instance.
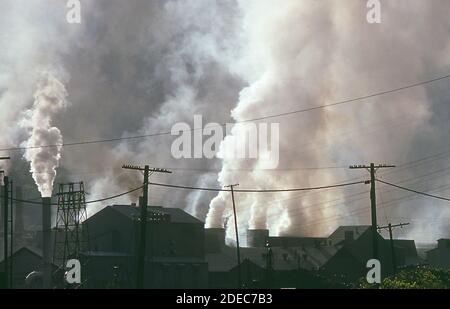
(231, 61)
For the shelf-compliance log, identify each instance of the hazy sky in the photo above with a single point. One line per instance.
(138, 67)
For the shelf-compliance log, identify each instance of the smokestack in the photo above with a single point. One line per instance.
(257, 237)
(214, 239)
(46, 238)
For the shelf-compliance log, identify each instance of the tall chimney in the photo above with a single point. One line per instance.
(257, 237)
(46, 238)
(214, 239)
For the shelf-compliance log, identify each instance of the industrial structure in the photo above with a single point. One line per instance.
(70, 237)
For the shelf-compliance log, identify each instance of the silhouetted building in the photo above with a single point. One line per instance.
(354, 244)
(293, 241)
(174, 248)
(440, 256)
(304, 261)
(25, 261)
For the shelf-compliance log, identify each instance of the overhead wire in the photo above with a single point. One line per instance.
(298, 111)
(414, 191)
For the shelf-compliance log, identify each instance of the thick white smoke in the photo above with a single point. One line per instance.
(49, 99)
(137, 67)
(302, 54)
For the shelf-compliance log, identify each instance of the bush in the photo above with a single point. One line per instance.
(414, 278)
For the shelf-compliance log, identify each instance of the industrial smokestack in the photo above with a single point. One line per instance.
(257, 237)
(46, 238)
(214, 239)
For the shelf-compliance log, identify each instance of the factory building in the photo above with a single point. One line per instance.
(300, 262)
(174, 248)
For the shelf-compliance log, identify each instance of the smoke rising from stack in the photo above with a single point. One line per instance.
(304, 54)
(234, 60)
(49, 99)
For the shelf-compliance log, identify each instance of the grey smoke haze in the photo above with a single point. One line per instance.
(137, 67)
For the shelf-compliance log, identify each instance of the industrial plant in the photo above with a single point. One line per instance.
(211, 144)
(179, 252)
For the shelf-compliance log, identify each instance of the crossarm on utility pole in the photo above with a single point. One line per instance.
(372, 168)
(237, 235)
(391, 241)
(140, 273)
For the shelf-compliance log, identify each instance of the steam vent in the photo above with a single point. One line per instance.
(257, 238)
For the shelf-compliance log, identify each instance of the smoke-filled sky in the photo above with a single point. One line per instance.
(137, 67)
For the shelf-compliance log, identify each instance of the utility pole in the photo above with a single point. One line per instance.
(373, 201)
(11, 231)
(5, 226)
(237, 235)
(390, 227)
(142, 240)
(269, 265)
(5, 222)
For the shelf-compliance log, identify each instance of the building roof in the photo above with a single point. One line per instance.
(295, 241)
(177, 215)
(305, 257)
(27, 250)
(339, 234)
(164, 259)
(23, 250)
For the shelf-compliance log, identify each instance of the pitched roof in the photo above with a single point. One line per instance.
(339, 234)
(177, 215)
(22, 250)
(37, 253)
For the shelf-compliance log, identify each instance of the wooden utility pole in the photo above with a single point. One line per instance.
(373, 202)
(269, 265)
(5, 222)
(11, 231)
(237, 235)
(390, 227)
(140, 274)
(5, 228)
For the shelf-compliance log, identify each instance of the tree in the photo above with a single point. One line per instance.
(419, 277)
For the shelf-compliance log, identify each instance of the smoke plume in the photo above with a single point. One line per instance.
(137, 67)
(308, 53)
(49, 99)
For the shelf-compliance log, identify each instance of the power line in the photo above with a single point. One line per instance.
(204, 189)
(352, 212)
(256, 190)
(346, 201)
(286, 169)
(299, 111)
(414, 191)
(88, 202)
